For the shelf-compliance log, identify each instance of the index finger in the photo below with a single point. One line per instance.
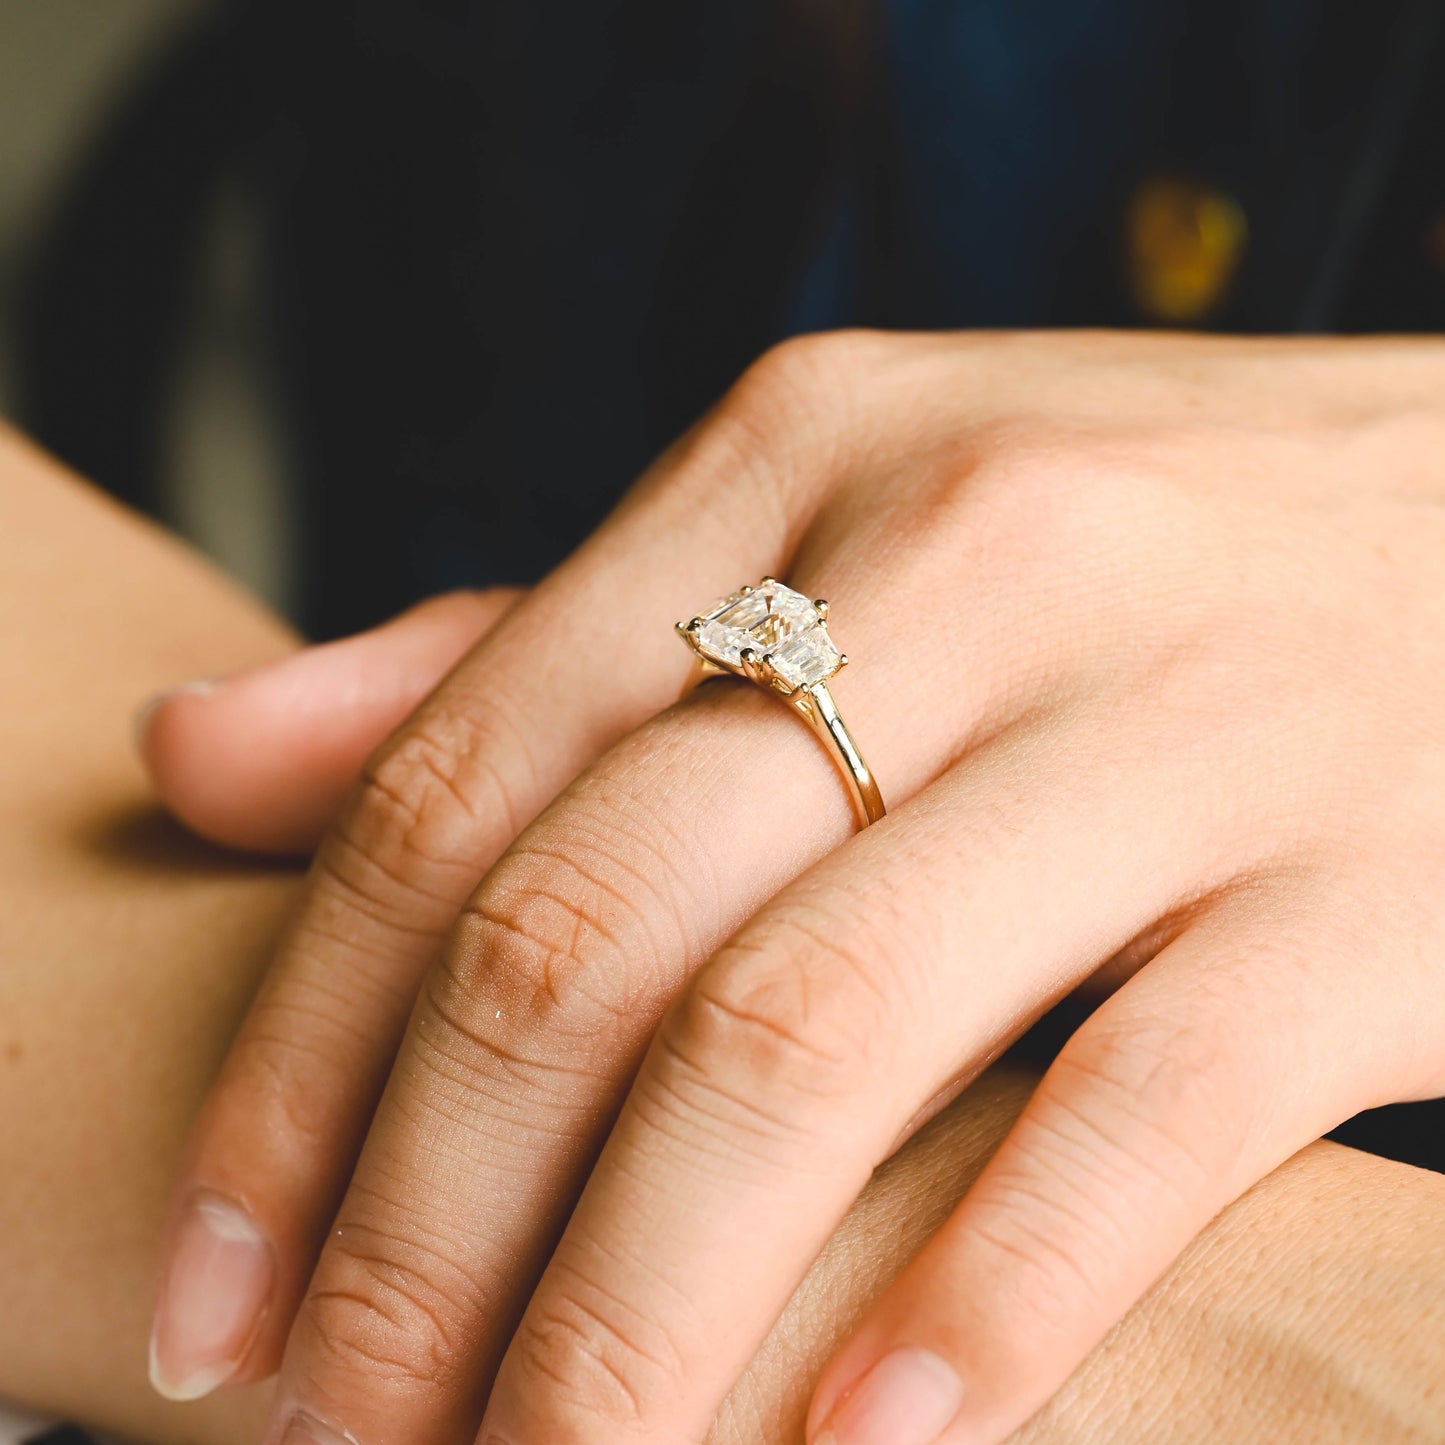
(520, 716)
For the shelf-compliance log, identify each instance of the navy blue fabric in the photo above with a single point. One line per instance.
(1003, 124)
(1009, 119)
(1011, 127)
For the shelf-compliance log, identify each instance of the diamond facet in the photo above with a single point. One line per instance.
(776, 623)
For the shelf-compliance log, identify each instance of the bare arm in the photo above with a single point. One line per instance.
(1312, 1310)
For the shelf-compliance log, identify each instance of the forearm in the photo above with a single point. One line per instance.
(127, 951)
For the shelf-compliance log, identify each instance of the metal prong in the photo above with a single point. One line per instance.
(768, 582)
(842, 661)
(757, 668)
(745, 590)
(821, 606)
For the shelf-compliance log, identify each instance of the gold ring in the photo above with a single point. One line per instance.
(778, 639)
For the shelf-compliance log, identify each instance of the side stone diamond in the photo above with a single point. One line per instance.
(808, 658)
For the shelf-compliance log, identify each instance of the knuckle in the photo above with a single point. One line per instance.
(296, 1057)
(485, 602)
(595, 1359)
(559, 967)
(1145, 1117)
(802, 366)
(430, 806)
(1040, 1242)
(787, 403)
(417, 796)
(1051, 494)
(577, 930)
(281, 1073)
(1038, 1262)
(778, 1030)
(1034, 1243)
(1164, 1098)
(543, 952)
(1029, 481)
(391, 1307)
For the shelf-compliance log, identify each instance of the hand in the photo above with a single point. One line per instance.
(1149, 640)
(1332, 1271)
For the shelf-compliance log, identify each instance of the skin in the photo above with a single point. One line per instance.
(1320, 1296)
(1174, 727)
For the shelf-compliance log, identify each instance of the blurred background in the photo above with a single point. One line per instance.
(374, 298)
(65, 66)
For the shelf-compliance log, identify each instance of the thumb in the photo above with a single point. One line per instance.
(261, 760)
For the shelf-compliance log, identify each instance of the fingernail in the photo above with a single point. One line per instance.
(908, 1398)
(304, 1429)
(201, 688)
(216, 1291)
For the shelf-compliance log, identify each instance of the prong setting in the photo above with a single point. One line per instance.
(770, 634)
(758, 667)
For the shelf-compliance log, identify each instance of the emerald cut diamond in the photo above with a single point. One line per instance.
(783, 628)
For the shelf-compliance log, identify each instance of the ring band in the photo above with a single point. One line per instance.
(778, 639)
